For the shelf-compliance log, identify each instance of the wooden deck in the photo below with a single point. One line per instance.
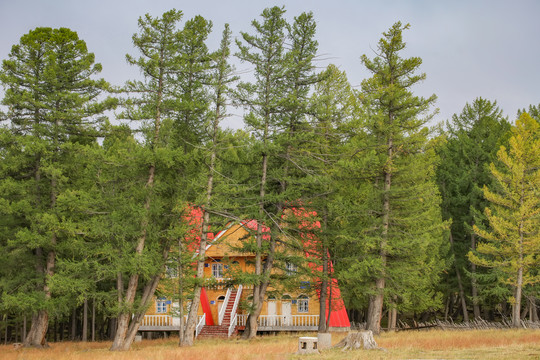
(266, 323)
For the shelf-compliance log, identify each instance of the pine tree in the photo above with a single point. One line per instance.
(333, 106)
(53, 106)
(220, 82)
(401, 224)
(191, 79)
(265, 51)
(473, 137)
(277, 103)
(154, 104)
(512, 241)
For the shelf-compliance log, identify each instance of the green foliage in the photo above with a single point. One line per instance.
(91, 210)
(54, 113)
(511, 243)
(391, 205)
(472, 139)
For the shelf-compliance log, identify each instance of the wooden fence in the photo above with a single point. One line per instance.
(478, 324)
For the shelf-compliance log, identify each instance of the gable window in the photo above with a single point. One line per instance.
(303, 304)
(161, 305)
(290, 268)
(217, 270)
(171, 271)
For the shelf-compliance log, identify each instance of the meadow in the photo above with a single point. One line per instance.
(434, 344)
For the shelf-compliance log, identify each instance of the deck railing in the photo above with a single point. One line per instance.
(282, 320)
(165, 320)
(292, 321)
(157, 320)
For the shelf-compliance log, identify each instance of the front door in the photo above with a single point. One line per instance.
(272, 314)
(220, 301)
(286, 312)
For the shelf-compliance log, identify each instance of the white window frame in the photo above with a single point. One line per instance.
(217, 270)
(303, 304)
(161, 306)
(290, 268)
(171, 272)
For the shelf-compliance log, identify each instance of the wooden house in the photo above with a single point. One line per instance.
(222, 309)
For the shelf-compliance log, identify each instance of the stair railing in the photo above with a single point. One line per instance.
(221, 314)
(232, 326)
(237, 300)
(200, 325)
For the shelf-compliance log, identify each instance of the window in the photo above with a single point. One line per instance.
(290, 268)
(303, 304)
(217, 270)
(171, 271)
(161, 305)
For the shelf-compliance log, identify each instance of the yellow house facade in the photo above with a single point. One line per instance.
(223, 308)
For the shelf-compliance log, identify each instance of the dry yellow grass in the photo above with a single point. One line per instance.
(485, 344)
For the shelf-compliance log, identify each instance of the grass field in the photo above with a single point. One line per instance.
(435, 344)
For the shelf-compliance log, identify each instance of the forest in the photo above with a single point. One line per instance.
(106, 188)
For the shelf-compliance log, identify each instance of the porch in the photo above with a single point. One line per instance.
(282, 322)
(265, 322)
(167, 322)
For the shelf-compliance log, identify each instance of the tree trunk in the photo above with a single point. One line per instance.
(474, 287)
(324, 292)
(533, 312)
(181, 331)
(23, 338)
(85, 321)
(193, 310)
(189, 332)
(376, 301)
(329, 304)
(460, 284)
(73, 324)
(93, 320)
(375, 308)
(128, 329)
(38, 330)
(392, 315)
(251, 323)
(516, 306)
(358, 340)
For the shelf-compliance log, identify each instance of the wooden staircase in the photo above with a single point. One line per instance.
(221, 331)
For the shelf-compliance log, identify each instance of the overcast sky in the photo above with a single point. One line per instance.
(470, 49)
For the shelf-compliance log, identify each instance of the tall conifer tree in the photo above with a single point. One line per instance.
(512, 242)
(154, 104)
(52, 98)
(219, 82)
(265, 51)
(473, 137)
(401, 237)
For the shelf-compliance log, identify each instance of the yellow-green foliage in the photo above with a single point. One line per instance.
(512, 243)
